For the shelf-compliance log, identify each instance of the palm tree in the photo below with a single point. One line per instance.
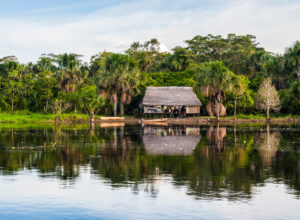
(238, 88)
(45, 63)
(215, 79)
(114, 76)
(69, 71)
(129, 88)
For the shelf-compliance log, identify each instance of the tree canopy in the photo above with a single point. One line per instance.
(230, 70)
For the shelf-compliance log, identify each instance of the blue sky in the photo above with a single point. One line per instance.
(32, 27)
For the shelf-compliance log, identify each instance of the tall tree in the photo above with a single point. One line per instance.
(179, 60)
(290, 98)
(13, 87)
(147, 54)
(69, 71)
(214, 79)
(207, 48)
(46, 63)
(92, 102)
(43, 91)
(235, 51)
(128, 88)
(239, 53)
(113, 75)
(267, 97)
(239, 85)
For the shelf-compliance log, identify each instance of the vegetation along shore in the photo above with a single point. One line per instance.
(38, 118)
(233, 76)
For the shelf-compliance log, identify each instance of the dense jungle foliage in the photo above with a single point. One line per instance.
(222, 70)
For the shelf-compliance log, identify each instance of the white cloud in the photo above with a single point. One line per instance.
(112, 28)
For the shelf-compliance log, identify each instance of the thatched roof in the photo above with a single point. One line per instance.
(171, 95)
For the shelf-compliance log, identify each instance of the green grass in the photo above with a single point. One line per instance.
(282, 116)
(254, 117)
(239, 116)
(251, 117)
(21, 117)
(74, 117)
(25, 117)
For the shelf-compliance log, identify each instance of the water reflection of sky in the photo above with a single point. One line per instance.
(29, 196)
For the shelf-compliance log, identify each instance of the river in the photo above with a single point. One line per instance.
(119, 171)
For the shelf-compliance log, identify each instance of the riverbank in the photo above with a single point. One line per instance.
(26, 117)
(231, 120)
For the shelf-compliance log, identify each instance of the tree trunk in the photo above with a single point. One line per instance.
(92, 121)
(217, 110)
(46, 109)
(92, 118)
(218, 105)
(268, 113)
(12, 102)
(121, 109)
(235, 109)
(115, 101)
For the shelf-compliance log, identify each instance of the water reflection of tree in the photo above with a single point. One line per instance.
(58, 152)
(215, 136)
(268, 145)
(224, 174)
(208, 172)
(120, 158)
(121, 161)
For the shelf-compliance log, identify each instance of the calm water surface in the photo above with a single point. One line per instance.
(150, 172)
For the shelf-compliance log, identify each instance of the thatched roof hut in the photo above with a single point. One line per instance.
(170, 96)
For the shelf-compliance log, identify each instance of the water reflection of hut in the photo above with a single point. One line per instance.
(170, 100)
(171, 140)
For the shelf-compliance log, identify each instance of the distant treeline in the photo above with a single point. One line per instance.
(226, 72)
